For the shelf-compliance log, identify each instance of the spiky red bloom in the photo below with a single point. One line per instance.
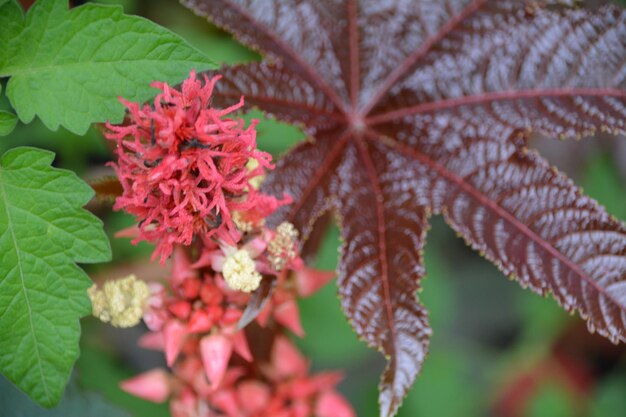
(182, 165)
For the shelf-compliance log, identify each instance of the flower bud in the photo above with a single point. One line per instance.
(240, 272)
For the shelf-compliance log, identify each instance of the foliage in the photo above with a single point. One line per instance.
(69, 67)
(427, 109)
(411, 110)
(8, 121)
(43, 293)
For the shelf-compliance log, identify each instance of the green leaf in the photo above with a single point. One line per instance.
(43, 231)
(69, 67)
(75, 403)
(11, 24)
(8, 121)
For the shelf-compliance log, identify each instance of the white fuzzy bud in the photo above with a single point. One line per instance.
(240, 272)
(120, 302)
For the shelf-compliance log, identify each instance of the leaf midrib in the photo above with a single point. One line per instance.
(429, 43)
(494, 96)
(24, 289)
(289, 52)
(321, 172)
(475, 193)
(382, 238)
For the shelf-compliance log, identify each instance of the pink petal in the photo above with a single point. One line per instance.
(191, 288)
(233, 374)
(309, 280)
(174, 334)
(211, 294)
(254, 396)
(255, 247)
(181, 267)
(180, 309)
(152, 386)
(206, 258)
(331, 404)
(200, 322)
(215, 351)
(154, 319)
(184, 405)
(240, 344)
(311, 385)
(325, 380)
(129, 232)
(288, 315)
(152, 340)
(265, 314)
(227, 402)
(286, 359)
(301, 409)
(217, 261)
(231, 315)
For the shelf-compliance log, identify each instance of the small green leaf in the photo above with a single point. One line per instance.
(8, 121)
(43, 232)
(69, 66)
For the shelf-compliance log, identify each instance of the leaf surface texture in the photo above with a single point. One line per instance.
(425, 107)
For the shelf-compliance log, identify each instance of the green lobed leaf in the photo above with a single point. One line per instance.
(75, 403)
(69, 66)
(8, 121)
(43, 232)
(11, 24)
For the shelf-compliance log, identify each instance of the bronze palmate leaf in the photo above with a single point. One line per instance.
(416, 107)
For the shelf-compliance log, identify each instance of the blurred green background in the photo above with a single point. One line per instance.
(497, 350)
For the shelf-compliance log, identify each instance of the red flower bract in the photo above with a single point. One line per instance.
(182, 165)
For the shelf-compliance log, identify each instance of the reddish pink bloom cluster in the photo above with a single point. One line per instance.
(216, 371)
(183, 169)
(182, 165)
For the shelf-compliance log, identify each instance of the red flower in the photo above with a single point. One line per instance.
(182, 165)
(190, 176)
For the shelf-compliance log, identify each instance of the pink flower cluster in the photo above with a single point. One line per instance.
(221, 370)
(186, 177)
(183, 166)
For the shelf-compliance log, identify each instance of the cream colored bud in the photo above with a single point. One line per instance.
(281, 248)
(240, 272)
(120, 302)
